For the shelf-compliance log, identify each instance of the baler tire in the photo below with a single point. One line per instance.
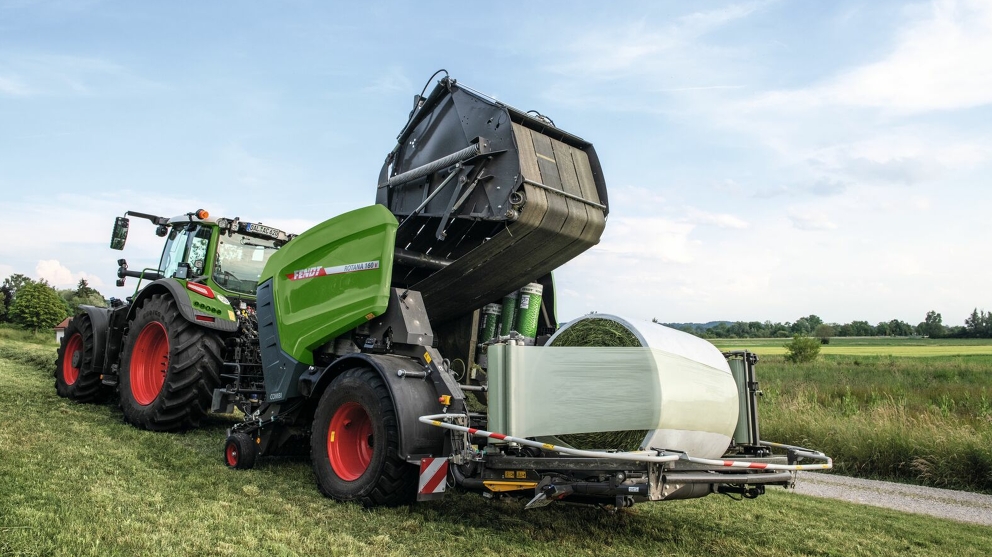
(240, 451)
(75, 376)
(169, 369)
(345, 469)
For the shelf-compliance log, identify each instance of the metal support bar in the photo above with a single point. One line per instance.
(725, 478)
(433, 194)
(565, 194)
(423, 260)
(441, 235)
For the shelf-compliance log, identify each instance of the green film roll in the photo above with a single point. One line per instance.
(528, 311)
(509, 313)
(490, 321)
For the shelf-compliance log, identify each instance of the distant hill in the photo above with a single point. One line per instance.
(698, 326)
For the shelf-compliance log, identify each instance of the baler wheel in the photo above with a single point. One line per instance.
(75, 376)
(240, 451)
(354, 443)
(169, 369)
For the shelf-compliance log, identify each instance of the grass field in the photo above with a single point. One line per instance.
(76, 480)
(869, 346)
(882, 414)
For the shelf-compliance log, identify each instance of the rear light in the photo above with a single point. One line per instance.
(201, 289)
(206, 318)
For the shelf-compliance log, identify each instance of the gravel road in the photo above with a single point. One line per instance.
(961, 506)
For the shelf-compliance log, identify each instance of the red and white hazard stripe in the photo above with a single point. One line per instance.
(433, 472)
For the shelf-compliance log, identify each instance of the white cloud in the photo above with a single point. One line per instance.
(13, 86)
(393, 80)
(810, 221)
(647, 237)
(938, 62)
(59, 276)
(721, 220)
(616, 52)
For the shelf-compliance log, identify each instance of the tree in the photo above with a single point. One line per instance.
(802, 349)
(8, 291)
(932, 325)
(900, 328)
(823, 332)
(37, 306)
(979, 324)
(861, 329)
(82, 295)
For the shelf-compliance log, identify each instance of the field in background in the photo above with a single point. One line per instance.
(76, 480)
(925, 419)
(868, 346)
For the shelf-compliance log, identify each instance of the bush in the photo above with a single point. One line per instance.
(37, 306)
(802, 349)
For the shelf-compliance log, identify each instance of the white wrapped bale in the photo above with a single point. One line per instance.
(676, 386)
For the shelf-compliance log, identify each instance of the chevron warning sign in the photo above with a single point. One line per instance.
(433, 475)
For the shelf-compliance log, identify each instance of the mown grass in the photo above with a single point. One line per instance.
(925, 420)
(76, 480)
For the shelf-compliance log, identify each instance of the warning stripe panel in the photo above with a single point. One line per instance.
(433, 472)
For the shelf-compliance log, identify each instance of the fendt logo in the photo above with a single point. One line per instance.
(307, 273)
(311, 272)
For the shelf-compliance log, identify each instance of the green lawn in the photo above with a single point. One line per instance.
(76, 480)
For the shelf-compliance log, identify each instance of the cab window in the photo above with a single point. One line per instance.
(186, 244)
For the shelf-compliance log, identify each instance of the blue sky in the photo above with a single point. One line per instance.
(765, 160)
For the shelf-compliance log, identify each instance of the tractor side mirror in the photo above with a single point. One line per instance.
(119, 235)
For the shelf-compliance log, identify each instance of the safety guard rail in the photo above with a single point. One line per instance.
(659, 456)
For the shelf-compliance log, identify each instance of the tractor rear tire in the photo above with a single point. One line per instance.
(75, 375)
(240, 451)
(355, 443)
(170, 368)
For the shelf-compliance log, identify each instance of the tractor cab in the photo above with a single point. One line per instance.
(211, 254)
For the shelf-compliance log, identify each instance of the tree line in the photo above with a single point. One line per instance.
(977, 325)
(35, 304)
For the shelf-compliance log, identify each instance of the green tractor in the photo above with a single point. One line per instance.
(163, 348)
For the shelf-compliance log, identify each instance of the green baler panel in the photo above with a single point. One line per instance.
(332, 278)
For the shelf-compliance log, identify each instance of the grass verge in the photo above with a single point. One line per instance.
(923, 420)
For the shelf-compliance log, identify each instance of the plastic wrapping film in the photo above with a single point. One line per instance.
(676, 385)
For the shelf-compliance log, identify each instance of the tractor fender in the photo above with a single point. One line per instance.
(412, 398)
(181, 296)
(100, 320)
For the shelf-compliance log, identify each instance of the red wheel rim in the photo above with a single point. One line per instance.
(70, 373)
(231, 454)
(349, 441)
(149, 363)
